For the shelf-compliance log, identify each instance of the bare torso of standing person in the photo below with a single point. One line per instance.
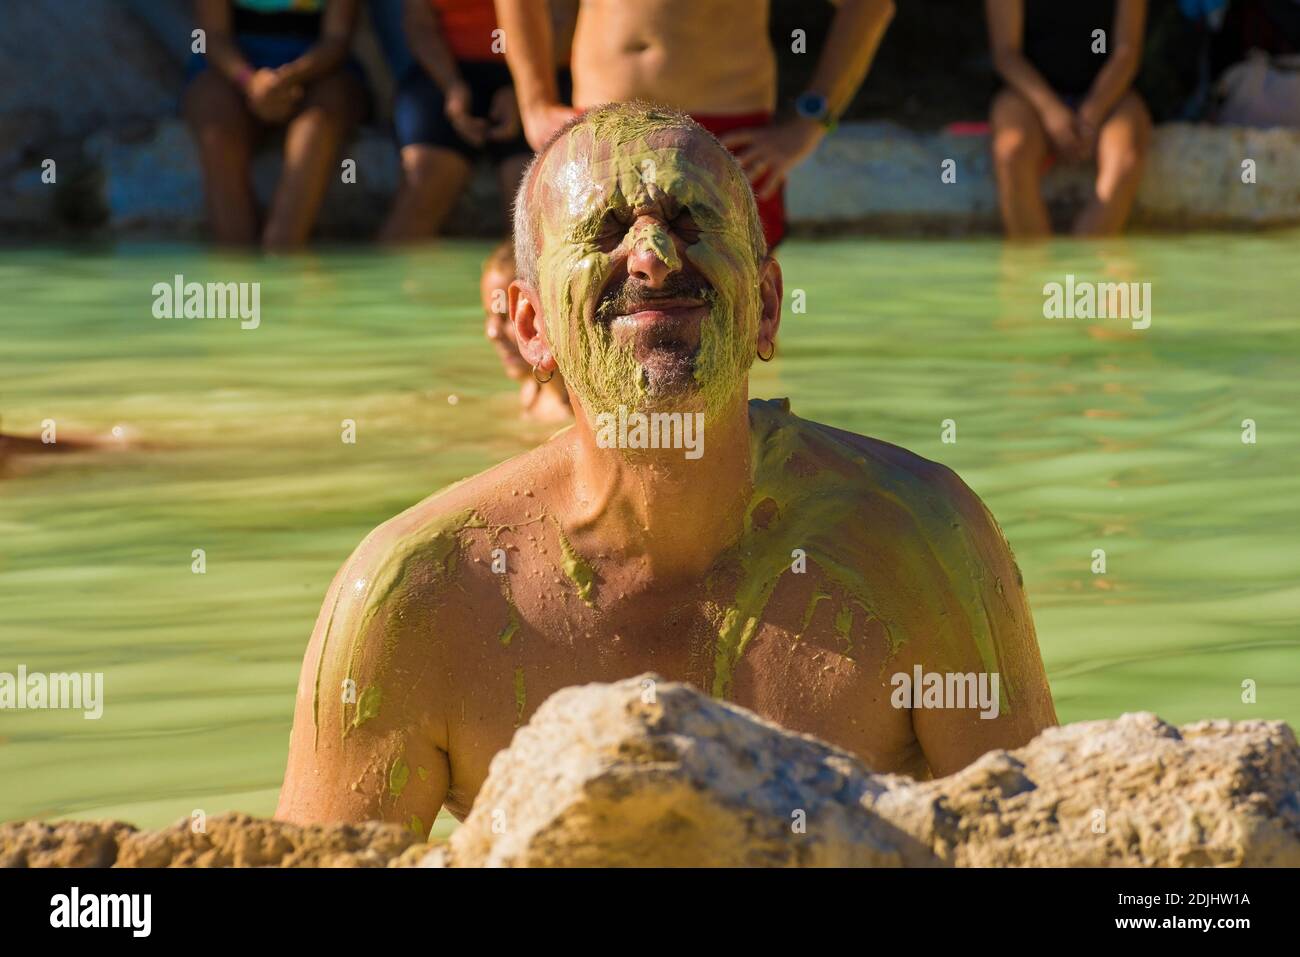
(711, 57)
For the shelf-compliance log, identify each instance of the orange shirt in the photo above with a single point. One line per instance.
(467, 26)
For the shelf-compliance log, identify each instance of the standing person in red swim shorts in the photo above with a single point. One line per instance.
(709, 58)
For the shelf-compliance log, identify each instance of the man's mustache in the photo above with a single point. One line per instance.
(623, 298)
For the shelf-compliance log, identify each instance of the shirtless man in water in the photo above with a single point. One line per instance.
(643, 278)
(712, 59)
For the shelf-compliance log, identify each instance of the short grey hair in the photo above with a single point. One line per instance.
(604, 120)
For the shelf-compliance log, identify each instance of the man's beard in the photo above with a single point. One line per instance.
(667, 352)
(608, 363)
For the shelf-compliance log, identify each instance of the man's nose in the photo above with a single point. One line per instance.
(652, 256)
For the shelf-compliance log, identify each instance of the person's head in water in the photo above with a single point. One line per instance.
(498, 273)
(546, 401)
(639, 247)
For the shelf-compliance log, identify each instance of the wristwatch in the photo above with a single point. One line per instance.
(815, 107)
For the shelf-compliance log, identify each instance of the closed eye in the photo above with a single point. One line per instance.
(613, 227)
(684, 225)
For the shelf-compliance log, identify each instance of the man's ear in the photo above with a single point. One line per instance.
(771, 290)
(530, 334)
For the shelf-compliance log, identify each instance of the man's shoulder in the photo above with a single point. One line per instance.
(861, 468)
(422, 547)
(909, 526)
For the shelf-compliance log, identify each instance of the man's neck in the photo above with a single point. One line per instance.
(656, 513)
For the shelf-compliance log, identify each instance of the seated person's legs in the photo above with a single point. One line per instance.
(1019, 148)
(265, 68)
(1061, 90)
(225, 131)
(332, 108)
(436, 161)
(1122, 146)
(432, 179)
(441, 136)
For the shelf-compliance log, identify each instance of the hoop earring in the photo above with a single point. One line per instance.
(546, 380)
(768, 357)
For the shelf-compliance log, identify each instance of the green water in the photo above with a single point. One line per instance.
(1079, 434)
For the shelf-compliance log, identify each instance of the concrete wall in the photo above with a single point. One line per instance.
(867, 177)
(879, 177)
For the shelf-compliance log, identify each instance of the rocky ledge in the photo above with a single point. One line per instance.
(646, 772)
(873, 178)
(231, 840)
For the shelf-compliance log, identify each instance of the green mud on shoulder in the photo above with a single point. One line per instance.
(808, 489)
(368, 703)
(789, 508)
(434, 544)
(320, 660)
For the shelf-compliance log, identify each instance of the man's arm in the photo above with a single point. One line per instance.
(368, 742)
(1006, 19)
(428, 45)
(215, 19)
(530, 53)
(266, 94)
(424, 35)
(851, 44)
(854, 36)
(1121, 66)
(996, 637)
(337, 23)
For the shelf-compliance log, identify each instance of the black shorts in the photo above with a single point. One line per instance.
(419, 109)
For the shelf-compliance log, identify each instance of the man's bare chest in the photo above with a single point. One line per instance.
(812, 662)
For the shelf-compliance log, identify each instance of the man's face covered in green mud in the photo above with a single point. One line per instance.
(648, 268)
